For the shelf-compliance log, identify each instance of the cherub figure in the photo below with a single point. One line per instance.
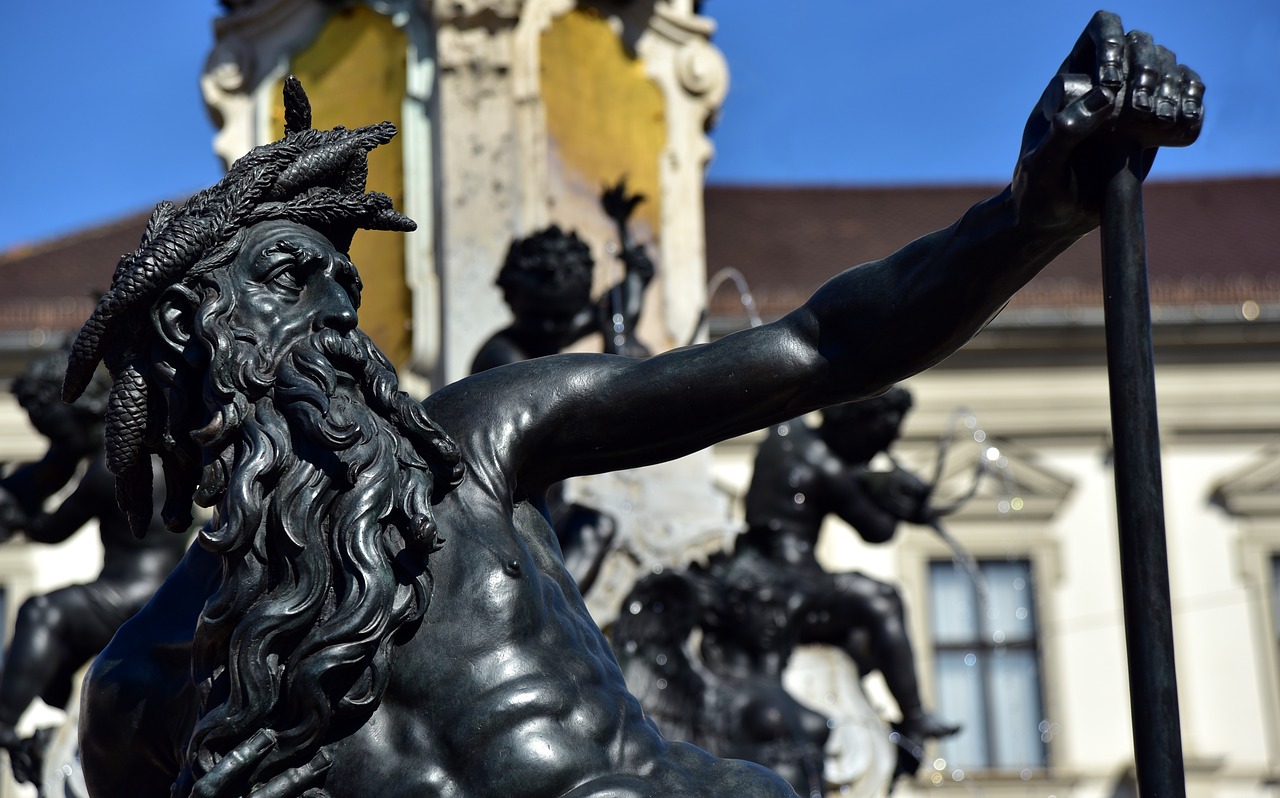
(58, 632)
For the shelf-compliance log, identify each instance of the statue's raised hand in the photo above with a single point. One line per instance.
(1116, 92)
(617, 203)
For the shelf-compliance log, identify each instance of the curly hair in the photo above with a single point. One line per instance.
(546, 265)
(40, 385)
(896, 398)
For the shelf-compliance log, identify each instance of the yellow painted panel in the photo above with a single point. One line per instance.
(605, 116)
(354, 73)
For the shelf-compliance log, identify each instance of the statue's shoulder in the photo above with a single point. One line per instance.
(501, 348)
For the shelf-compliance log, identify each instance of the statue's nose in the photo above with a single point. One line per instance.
(338, 311)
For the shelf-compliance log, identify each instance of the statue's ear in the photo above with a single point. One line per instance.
(173, 316)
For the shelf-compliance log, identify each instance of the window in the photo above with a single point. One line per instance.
(1275, 596)
(987, 665)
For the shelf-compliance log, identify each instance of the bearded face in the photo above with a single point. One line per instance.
(322, 474)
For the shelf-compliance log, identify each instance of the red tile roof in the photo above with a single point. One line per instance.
(1212, 244)
(54, 285)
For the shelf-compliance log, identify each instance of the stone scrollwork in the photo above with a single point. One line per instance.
(703, 71)
(229, 64)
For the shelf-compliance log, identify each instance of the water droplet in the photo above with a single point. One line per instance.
(1025, 775)
(997, 636)
(798, 498)
(1002, 506)
(1044, 726)
(784, 430)
(662, 684)
(992, 454)
(970, 660)
(1016, 503)
(661, 659)
(979, 435)
(1019, 583)
(957, 775)
(1021, 613)
(635, 607)
(939, 763)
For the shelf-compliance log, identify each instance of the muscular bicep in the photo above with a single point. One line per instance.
(603, 413)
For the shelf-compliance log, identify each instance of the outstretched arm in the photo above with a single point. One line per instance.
(878, 323)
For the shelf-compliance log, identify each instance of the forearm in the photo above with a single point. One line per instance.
(79, 509)
(882, 322)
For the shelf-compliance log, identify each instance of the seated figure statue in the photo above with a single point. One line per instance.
(377, 606)
(802, 475)
(57, 633)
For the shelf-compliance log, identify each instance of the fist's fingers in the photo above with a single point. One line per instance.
(1100, 51)
(1082, 117)
(1192, 95)
(1144, 72)
(1168, 99)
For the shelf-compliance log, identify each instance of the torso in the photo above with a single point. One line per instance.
(509, 687)
(785, 505)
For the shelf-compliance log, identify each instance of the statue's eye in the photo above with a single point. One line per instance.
(290, 278)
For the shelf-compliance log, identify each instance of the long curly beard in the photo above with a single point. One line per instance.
(325, 529)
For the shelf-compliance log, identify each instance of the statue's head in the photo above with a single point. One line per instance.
(546, 280)
(201, 317)
(76, 426)
(231, 339)
(858, 431)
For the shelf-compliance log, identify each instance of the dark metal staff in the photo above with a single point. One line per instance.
(1144, 568)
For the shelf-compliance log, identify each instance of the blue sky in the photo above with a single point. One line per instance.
(103, 115)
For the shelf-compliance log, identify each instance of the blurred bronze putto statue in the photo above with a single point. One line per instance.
(57, 633)
(377, 606)
(753, 606)
(802, 475)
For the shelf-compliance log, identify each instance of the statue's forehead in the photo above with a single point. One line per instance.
(265, 233)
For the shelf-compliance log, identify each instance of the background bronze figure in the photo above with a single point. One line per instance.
(546, 281)
(801, 475)
(732, 701)
(377, 606)
(57, 633)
